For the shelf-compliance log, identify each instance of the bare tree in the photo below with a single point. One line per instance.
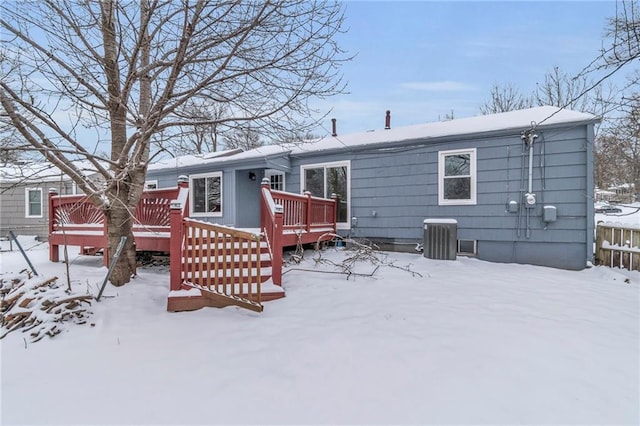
(623, 31)
(244, 138)
(617, 154)
(202, 137)
(504, 98)
(128, 70)
(9, 148)
(563, 90)
(558, 89)
(607, 170)
(295, 137)
(621, 51)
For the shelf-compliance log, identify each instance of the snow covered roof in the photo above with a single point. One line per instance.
(39, 172)
(187, 160)
(30, 173)
(623, 186)
(513, 120)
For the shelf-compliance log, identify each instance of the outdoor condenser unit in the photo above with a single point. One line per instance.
(440, 239)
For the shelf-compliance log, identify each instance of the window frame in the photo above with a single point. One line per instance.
(27, 204)
(473, 172)
(474, 252)
(268, 173)
(150, 182)
(192, 211)
(332, 164)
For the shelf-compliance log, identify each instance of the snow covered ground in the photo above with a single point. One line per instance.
(468, 342)
(630, 215)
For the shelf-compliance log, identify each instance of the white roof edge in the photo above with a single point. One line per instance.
(481, 124)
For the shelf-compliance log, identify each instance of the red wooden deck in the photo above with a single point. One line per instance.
(75, 221)
(211, 265)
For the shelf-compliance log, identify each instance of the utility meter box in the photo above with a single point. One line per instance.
(440, 239)
(550, 214)
(529, 200)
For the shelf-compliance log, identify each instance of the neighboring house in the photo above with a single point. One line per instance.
(513, 201)
(624, 193)
(24, 192)
(601, 195)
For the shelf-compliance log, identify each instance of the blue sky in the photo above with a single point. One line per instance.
(423, 59)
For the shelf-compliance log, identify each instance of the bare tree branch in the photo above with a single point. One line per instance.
(132, 72)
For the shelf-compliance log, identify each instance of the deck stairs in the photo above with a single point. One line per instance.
(228, 266)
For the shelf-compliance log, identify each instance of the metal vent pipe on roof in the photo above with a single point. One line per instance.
(333, 127)
(387, 120)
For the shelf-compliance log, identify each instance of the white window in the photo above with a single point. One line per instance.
(325, 179)
(206, 194)
(276, 179)
(457, 177)
(33, 202)
(151, 184)
(469, 247)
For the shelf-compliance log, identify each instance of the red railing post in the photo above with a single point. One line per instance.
(175, 242)
(276, 263)
(183, 182)
(309, 217)
(273, 230)
(54, 255)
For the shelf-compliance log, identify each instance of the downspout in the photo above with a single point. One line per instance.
(521, 194)
(530, 142)
(529, 198)
(589, 193)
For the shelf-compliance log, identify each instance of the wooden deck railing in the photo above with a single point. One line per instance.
(618, 245)
(75, 220)
(219, 259)
(288, 219)
(153, 211)
(305, 212)
(78, 212)
(73, 212)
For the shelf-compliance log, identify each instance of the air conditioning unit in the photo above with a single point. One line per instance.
(440, 239)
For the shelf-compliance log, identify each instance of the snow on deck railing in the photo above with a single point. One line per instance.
(618, 245)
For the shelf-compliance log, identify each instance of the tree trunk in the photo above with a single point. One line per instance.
(120, 224)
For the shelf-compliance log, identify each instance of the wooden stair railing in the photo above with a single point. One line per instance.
(226, 264)
(272, 225)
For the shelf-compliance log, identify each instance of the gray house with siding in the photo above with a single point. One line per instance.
(519, 184)
(24, 204)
